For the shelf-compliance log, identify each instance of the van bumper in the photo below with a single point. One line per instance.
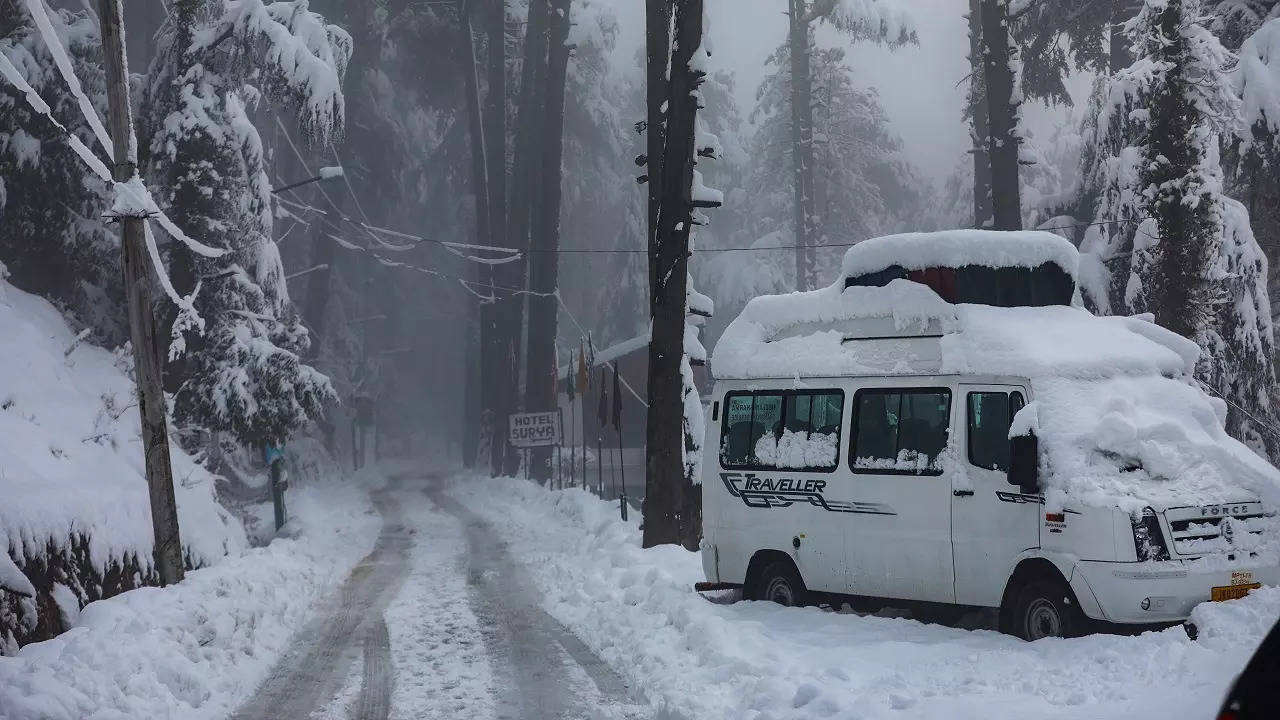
(1171, 589)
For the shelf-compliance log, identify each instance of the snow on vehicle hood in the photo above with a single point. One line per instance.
(1120, 418)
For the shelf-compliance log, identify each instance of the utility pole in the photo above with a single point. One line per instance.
(657, 55)
(142, 324)
(669, 260)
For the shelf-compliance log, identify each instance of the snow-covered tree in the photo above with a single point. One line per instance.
(1234, 21)
(217, 61)
(1173, 244)
(880, 21)
(53, 238)
(698, 308)
(863, 184)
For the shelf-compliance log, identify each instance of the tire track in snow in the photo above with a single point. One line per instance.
(311, 672)
(374, 702)
(552, 674)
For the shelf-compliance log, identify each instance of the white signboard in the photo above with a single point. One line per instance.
(534, 429)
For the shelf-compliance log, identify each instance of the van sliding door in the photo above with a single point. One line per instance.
(898, 539)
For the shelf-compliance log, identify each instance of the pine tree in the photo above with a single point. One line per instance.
(243, 374)
(55, 242)
(863, 184)
(862, 20)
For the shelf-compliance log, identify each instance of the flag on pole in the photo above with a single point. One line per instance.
(555, 371)
(569, 380)
(583, 377)
(591, 356)
(617, 400)
(602, 412)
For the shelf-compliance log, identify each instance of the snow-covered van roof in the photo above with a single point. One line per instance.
(959, 248)
(1110, 394)
(1007, 269)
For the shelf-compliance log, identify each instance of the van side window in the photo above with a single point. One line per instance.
(989, 416)
(798, 430)
(900, 431)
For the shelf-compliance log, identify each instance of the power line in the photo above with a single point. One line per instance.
(615, 251)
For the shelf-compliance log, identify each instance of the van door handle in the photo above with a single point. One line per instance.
(962, 493)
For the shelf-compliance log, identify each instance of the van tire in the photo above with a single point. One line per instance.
(1045, 607)
(779, 582)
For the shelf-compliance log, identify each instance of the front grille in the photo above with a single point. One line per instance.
(1200, 531)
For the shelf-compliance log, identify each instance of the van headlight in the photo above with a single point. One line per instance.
(1148, 540)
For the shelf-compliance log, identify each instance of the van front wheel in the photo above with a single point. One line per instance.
(1045, 608)
(780, 583)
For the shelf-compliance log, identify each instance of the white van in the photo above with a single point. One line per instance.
(945, 425)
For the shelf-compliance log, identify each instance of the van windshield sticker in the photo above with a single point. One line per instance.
(774, 492)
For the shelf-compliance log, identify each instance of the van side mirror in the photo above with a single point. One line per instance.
(1024, 463)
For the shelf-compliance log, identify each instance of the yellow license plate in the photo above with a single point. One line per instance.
(1232, 592)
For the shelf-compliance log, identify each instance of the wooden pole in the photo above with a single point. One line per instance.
(142, 324)
(669, 254)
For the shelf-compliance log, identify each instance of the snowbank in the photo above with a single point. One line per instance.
(699, 659)
(958, 248)
(196, 649)
(71, 454)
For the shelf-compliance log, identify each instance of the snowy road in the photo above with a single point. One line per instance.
(436, 621)
(350, 621)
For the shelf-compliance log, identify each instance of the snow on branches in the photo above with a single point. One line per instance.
(876, 20)
(1169, 241)
(291, 55)
(207, 154)
(1257, 80)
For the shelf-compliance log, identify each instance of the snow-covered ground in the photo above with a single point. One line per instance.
(70, 450)
(199, 648)
(750, 660)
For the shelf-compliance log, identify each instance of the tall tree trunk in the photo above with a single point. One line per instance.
(480, 190)
(1002, 108)
(802, 143)
(527, 160)
(1118, 54)
(657, 55)
(1178, 289)
(544, 261)
(979, 127)
(665, 481)
(509, 310)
